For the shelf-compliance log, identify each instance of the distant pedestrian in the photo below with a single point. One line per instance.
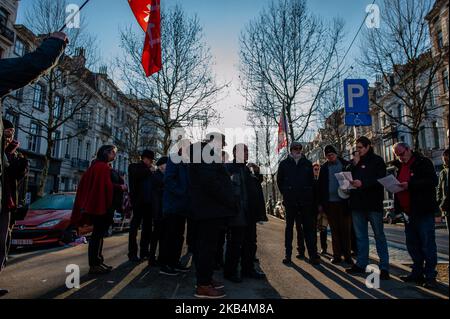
(335, 207)
(98, 191)
(141, 182)
(442, 190)
(295, 180)
(418, 201)
(366, 204)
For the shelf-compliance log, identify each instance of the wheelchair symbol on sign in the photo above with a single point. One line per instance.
(357, 121)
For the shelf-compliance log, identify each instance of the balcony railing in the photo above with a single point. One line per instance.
(106, 129)
(80, 164)
(82, 125)
(390, 131)
(7, 33)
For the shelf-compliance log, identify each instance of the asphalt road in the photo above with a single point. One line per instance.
(42, 274)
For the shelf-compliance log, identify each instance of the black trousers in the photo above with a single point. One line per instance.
(172, 240)
(205, 248)
(155, 239)
(101, 224)
(220, 247)
(142, 215)
(241, 247)
(304, 218)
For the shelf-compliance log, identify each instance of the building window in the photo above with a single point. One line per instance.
(39, 97)
(68, 147)
(440, 39)
(4, 16)
(445, 80)
(79, 143)
(88, 151)
(435, 135)
(56, 145)
(400, 113)
(33, 137)
(19, 94)
(422, 138)
(57, 107)
(19, 48)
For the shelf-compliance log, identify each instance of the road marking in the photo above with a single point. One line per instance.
(70, 292)
(125, 281)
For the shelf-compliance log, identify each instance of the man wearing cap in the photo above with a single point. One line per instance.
(295, 180)
(335, 207)
(141, 182)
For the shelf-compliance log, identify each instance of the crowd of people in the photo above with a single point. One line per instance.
(196, 196)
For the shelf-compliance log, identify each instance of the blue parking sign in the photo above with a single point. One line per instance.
(362, 119)
(356, 93)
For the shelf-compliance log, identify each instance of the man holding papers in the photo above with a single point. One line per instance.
(417, 199)
(366, 204)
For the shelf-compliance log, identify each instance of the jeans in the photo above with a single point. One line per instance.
(360, 224)
(421, 244)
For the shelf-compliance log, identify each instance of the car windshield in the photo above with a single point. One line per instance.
(56, 202)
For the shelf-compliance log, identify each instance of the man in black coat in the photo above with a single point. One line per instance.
(295, 180)
(418, 180)
(16, 73)
(212, 203)
(366, 204)
(241, 237)
(334, 206)
(142, 186)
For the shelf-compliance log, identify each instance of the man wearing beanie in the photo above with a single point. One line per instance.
(335, 207)
(295, 180)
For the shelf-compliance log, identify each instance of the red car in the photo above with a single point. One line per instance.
(48, 222)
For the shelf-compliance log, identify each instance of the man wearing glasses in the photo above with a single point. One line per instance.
(366, 204)
(418, 201)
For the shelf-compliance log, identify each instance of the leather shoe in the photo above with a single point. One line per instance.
(3, 292)
(287, 261)
(419, 280)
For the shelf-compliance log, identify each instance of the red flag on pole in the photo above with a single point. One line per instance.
(148, 15)
(282, 133)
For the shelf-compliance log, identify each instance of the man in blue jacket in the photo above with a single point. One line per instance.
(16, 73)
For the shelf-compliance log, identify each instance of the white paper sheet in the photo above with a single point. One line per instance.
(391, 184)
(344, 179)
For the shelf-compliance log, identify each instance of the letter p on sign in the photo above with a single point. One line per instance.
(356, 92)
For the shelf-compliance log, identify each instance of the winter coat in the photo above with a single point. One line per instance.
(322, 187)
(370, 196)
(140, 179)
(421, 186)
(296, 182)
(176, 189)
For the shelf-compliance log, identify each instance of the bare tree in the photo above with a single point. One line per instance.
(399, 53)
(185, 90)
(288, 52)
(66, 93)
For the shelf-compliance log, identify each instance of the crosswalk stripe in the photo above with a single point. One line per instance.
(125, 282)
(70, 292)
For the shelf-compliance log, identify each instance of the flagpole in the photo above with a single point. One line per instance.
(79, 10)
(286, 127)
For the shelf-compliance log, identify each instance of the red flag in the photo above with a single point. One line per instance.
(148, 15)
(282, 133)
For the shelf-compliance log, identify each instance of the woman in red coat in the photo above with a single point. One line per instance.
(95, 203)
